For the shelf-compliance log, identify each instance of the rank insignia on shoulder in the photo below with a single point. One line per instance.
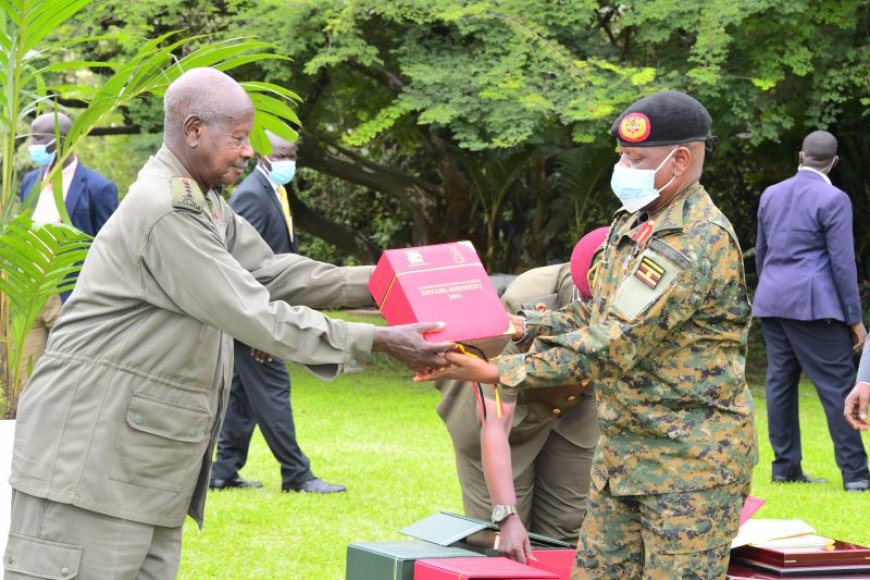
(649, 272)
(186, 194)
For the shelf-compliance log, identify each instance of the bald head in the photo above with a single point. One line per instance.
(43, 125)
(205, 93)
(207, 123)
(819, 150)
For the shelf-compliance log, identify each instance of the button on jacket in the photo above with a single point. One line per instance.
(122, 412)
(664, 341)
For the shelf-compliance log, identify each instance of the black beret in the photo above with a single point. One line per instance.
(666, 118)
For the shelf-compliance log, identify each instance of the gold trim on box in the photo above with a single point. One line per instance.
(396, 276)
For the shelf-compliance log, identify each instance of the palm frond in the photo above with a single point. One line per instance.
(36, 261)
(39, 19)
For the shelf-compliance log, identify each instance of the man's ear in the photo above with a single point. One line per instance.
(834, 163)
(682, 160)
(801, 158)
(192, 130)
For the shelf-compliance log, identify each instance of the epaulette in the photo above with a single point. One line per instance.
(186, 195)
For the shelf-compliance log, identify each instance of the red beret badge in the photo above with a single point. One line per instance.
(634, 128)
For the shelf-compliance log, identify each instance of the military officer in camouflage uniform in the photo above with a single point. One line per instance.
(115, 431)
(664, 340)
(552, 437)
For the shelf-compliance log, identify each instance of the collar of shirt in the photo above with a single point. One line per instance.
(825, 177)
(262, 170)
(669, 217)
(45, 211)
(66, 175)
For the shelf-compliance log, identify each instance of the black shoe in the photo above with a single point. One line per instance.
(234, 482)
(315, 485)
(857, 486)
(802, 478)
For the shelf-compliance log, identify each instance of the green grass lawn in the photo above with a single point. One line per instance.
(378, 433)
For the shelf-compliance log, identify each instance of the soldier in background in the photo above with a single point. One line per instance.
(552, 438)
(664, 341)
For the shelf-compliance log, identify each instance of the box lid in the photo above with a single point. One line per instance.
(560, 561)
(413, 550)
(840, 553)
(403, 260)
(488, 568)
(446, 528)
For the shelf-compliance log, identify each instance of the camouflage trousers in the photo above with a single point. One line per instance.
(671, 535)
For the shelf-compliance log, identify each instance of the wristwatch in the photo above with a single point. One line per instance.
(501, 512)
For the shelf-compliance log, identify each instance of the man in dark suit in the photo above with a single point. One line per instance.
(807, 300)
(260, 391)
(89, 197)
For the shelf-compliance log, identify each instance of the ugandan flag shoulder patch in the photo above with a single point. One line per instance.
(649, 272)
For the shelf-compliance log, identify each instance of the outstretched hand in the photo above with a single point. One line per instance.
(406, 344)
(461, 367)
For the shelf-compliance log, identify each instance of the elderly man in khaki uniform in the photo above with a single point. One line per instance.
(116, 429)
(552, 437)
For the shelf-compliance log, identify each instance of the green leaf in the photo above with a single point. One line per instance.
(764, 84)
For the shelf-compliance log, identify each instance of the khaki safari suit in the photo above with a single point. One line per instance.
(664, 340)
(121, 414)
(552, 437)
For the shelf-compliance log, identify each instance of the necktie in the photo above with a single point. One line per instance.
(285, 206)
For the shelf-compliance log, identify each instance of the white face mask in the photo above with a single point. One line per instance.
(636, 188)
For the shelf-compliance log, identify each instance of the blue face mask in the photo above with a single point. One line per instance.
(636, 188)
(282, 171)
(40, 155)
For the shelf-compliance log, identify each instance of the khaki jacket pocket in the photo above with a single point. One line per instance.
(160, 445)
(29, 558)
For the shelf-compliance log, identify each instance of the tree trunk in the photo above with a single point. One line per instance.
(420, 196)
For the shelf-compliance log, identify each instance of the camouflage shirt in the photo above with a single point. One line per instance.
(664, 339)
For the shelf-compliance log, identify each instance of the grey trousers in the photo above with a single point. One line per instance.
(56, 540)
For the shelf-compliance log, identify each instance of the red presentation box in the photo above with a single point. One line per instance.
(442, 283)
(745, 572)
(496, 568)
(557, 561)
(842, 557)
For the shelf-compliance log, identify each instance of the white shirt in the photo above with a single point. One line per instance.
(825, 177)
(46, 210)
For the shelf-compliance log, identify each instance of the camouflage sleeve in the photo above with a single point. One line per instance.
(668, 284)
(554, 322)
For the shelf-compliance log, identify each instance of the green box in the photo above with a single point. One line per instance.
(393, 560)
(469, 533)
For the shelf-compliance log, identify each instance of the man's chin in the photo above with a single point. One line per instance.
(231, 176)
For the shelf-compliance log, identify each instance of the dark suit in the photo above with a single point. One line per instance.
(90, 200)
(807, 297)
(260, 393)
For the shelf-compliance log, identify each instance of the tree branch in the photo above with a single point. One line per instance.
(419, 196)
(344, 238)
